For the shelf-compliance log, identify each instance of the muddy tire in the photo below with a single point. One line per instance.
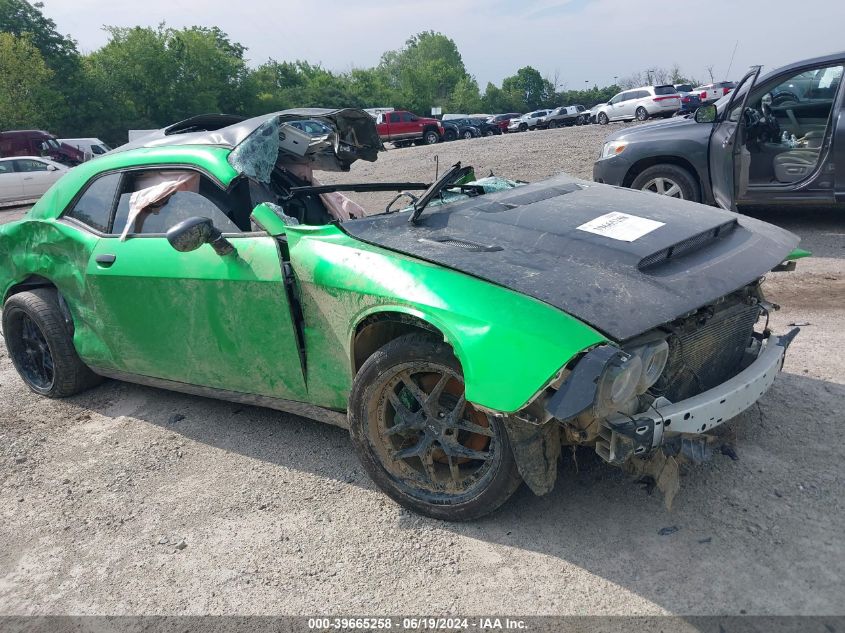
(668, 180)
(39, 337)
(420, 441)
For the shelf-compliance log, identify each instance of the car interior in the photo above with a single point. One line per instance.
(786, 123)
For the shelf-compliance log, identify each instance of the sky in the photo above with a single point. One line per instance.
(579, 42)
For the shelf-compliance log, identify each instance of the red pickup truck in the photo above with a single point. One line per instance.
(403, 128)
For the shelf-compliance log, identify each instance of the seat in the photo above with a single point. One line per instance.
(795, 165)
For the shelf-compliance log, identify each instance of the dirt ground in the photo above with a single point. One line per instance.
(132, 500)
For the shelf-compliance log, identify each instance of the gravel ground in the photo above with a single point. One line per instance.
(131, 500)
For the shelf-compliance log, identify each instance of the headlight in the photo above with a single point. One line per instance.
(654, 357)
(618, 384)
(613, 148)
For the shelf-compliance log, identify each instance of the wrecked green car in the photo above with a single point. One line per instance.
(462, 336)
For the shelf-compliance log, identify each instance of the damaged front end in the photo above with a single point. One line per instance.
(654, 401)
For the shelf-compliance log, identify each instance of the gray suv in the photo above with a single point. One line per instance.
(764, 143)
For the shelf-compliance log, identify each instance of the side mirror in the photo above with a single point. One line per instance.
(706, 114)
(52, 168)
(192, 233)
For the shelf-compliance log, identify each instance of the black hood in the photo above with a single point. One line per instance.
(528, 239)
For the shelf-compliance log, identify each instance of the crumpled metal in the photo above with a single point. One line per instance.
(256, 156)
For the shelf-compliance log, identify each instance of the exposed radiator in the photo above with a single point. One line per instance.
(703, 356)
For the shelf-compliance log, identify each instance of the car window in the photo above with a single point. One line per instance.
(394, 117)
(97, 149)
(93, 208)
(27, 164)
(6, 167)
(664, 90)
(197, 197)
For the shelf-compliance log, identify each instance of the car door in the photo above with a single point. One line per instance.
(619, 103)
(223, 322)
(11, 182)
(36, 176)
(724, 153)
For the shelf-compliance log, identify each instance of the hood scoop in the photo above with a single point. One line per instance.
(467, 245)
(687, 246)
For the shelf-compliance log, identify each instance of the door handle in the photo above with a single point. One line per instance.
(727, 143)
(105, 260)
(29, 177)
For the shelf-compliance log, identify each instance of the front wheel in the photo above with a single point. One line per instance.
(39, 337)
(523, 127)
(467, 134)
(602, 118)
(421, 441)
(668, 180)
(642, 114)
(489, 133)
(431, 137)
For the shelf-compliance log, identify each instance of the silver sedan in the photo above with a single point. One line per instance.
(25, 178)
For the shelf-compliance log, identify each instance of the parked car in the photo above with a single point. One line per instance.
(527, 121)
(484, 127)
(710, 93)
(403, 128)
(594, 111)
(397, 326)
(502, 120)
(311, 127)
(690, 100)
(743, 150)
(38, 143)
(90, 147)
(27, 177)
(640, 104)
(454, 129)
(564, 116)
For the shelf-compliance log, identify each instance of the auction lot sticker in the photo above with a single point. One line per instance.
(621, 226)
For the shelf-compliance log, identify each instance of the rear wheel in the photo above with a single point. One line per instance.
(489, 133)
(39, 337)
(602, 119)
(421, 441)
(642, 114)
(431, 137)
(450, 134)
(523, 127)
(552, 125)
(467, 134)
(668, 180)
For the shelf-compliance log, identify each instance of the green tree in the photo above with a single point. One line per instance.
(425, 72)
(528, 89)
(26, 95)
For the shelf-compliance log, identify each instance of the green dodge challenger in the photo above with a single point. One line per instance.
(462, 335)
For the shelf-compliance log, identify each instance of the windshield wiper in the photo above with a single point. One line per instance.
(455, 173)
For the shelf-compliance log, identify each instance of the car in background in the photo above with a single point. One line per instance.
(453, 129)
(710, 93)
(90, 147)
(563, 117)
(527, 121)
(38, 143)
(744, 150)
(502, 120)
(483, 125)
(311, 127)
(450, 117)
(403, 128)
(27, 177)
(640, 104)
(690, 100)
(593, 112)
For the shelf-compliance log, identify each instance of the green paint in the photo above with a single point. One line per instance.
(225, 322)
(798, 253)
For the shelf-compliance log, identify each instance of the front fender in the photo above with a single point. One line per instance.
(509, 345)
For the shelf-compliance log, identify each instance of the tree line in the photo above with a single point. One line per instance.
(145, 78)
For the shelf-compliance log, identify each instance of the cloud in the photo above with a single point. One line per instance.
(579, 40)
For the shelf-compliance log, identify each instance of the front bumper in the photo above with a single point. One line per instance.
(623, 437)
(611, 170)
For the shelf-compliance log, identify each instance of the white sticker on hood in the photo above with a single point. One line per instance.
(621, 226)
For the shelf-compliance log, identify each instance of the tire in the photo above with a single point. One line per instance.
(552, 125)
(437, 477)
(450, 135)
(665, 178)
(579, 120)
(431, 137)
(602, 119)
(523, 127)
(39, 339)
(641, 114)
(467, 134)
(489, 133)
